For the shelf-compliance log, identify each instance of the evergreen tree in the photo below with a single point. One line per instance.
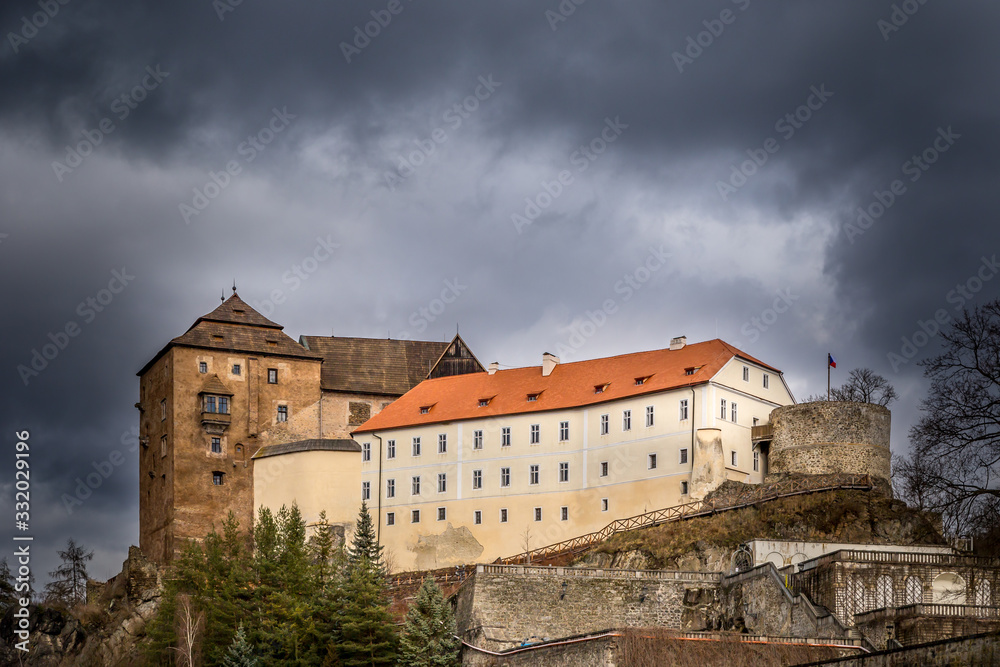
(367, 633)
(69, 581)
(8, 593)
(240, 652)
(428, 638)
(364, 544)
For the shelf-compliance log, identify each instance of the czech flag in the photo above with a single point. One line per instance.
(831, 361)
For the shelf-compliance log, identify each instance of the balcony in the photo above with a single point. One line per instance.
(215, 422)
(762, 433)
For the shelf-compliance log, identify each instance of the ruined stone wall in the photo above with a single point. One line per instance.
(829, 437)
(502, 606)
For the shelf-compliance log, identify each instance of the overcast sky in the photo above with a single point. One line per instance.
(587, 179)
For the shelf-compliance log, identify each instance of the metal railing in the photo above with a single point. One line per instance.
(757, 494)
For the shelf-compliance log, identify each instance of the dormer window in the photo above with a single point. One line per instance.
(217, 337)
(532, 397)
(642, 380)
(599, 388)
(690, 371)
(483, 402)
(424, 410)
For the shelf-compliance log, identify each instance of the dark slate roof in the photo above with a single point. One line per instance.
(374, 365)
(216, 386)
(328, 445)
(237, 327)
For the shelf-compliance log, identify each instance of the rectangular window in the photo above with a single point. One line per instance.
(366, 451)
(766, 381)
(415, 516)
(756, 421)
(604, 424)
(477, 479)
(236, 369)
(504, 477)
(683, 456)
(564, 514)
(604, 504)
(442, 482)
(533, 474)
(477, 439)
(282, 413)
(390, 518)
(442, 513)
(390, 488)
(224, 405)
(209, 404)
(216, 445)
(202, 367)
(503, 515)
(217, 478)
(536, 434)
(442, 443)
(732, 457)
(722, 409)
(604, 468)
(684, 409)
(649, 416)
(477, 517)
(732, 411)
(272, 376)
(626, 420)
(390, 449)
(505, 436)
(163, 409)
(756, 461)
(563, 431)
(564, 472)
(415, 486)
(163, 446)
(416, 446)
(366, 490)
(538, 514)
(684, 488)
(746, 374)
(651, 462)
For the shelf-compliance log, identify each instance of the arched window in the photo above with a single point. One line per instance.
(914, 591)
(883, 591)
(948, 588)
(983, 596)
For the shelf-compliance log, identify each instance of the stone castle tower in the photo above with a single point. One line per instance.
(233, 384)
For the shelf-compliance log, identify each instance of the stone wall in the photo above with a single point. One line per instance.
(981, 649)
(502, 606)
(830, 436)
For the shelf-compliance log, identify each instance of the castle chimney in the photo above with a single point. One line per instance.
(678, 343)
(549, 362)
(494, 367)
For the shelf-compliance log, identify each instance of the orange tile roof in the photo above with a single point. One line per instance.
(569, 385)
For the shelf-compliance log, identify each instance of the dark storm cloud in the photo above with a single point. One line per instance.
(694, 87)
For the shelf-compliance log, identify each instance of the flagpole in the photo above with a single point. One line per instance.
(828, 376)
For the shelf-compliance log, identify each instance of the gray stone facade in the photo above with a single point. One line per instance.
(830, 436)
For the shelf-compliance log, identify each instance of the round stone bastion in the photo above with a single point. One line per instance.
(829, 437)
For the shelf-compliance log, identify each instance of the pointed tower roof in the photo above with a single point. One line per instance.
(235, 310)
(236, 327)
